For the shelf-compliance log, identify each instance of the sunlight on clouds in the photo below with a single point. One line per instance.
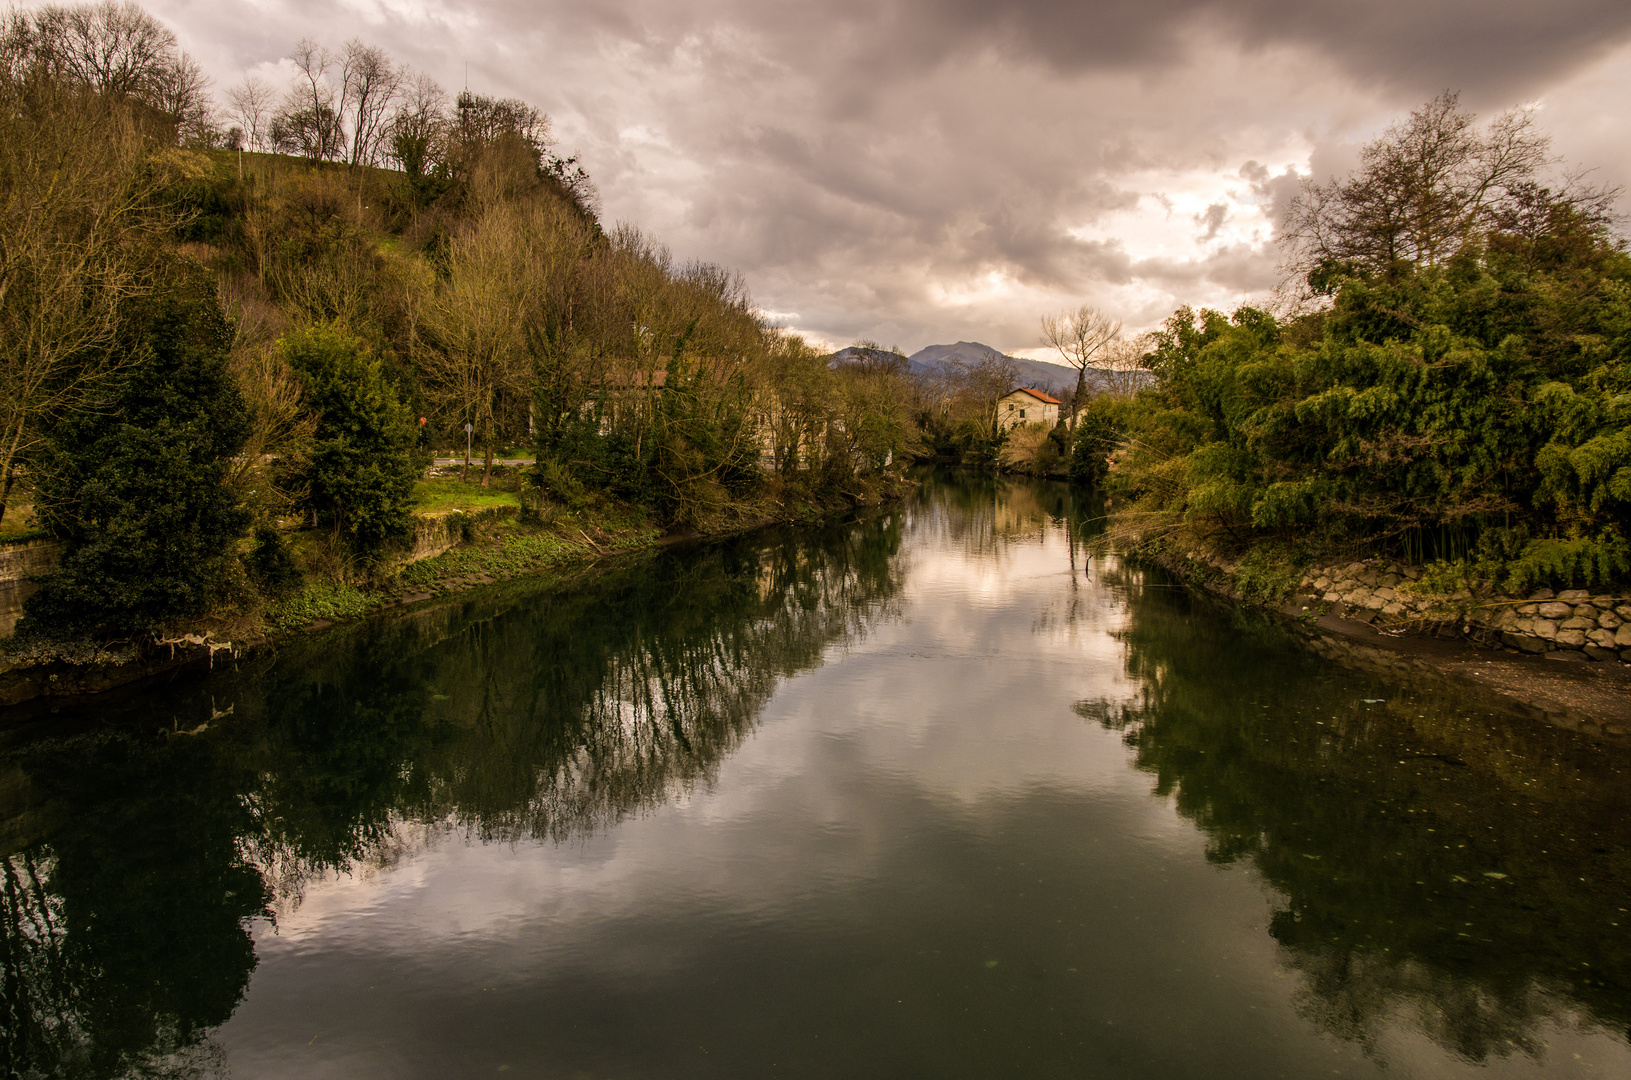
(1187, 216)
(992, 285)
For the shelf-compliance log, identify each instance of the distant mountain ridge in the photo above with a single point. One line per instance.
(1034, 373)
(933, 359)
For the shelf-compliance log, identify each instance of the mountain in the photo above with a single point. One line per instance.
(1033, 373)
(934, 359)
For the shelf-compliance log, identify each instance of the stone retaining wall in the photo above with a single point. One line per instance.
(19, 562)
(429, 535)
(1573, 624)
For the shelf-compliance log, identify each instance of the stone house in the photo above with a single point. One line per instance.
(1027, 406)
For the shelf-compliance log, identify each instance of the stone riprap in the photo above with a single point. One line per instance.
(1572, 624)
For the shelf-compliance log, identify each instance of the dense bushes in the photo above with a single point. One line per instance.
(1462, 394)
(1476, 411)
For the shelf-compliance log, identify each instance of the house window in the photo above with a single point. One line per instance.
(1010, 406)
(1022, 414)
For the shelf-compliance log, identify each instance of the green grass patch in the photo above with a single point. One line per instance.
(443, 493)
(21, 534)
(18, 524)
(513, 553)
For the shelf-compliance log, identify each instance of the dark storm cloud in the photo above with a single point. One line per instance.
(1485, 47)
(927, 170)
(1482, 46)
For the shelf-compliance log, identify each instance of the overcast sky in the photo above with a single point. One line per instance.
(920, 171)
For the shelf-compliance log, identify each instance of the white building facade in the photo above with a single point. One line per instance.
(1027, 406)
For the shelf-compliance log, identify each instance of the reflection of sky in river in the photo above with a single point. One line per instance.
(921, 862)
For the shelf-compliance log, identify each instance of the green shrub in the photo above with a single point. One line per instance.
(1584, 561)
(320, 601)
(1099, 425)
(1475, 411)
(360, 480)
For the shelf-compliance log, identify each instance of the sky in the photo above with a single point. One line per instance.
(925, 171)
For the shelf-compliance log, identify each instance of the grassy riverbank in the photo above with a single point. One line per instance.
(471, 538)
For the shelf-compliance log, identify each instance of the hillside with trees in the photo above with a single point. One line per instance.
(232, 330)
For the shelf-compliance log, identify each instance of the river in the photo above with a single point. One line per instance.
(937, 792)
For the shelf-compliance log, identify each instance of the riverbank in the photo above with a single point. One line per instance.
(451, 552)
(1379, 615)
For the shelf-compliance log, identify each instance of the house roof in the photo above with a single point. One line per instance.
(1041, 395)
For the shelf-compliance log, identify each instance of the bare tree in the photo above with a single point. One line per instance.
(471, 346)
(112, 47)
(419, 125)
(281, 427)
(484, 119)
(1083, 338)
(78, 223)
(119, 51)
(181, 95)
(972, 389)
(1123, 365)
(371, 85)
(250, 104)
(1421, 191)
(310, 121)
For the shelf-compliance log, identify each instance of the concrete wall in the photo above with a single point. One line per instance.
(17, 563)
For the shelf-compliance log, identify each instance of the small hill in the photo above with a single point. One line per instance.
(1036, 373)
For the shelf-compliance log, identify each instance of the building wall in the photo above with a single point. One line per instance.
(1035, 412)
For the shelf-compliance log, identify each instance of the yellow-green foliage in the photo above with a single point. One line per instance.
(318, 601)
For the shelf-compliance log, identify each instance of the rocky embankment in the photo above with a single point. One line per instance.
(1382, 616)
(1574, 624)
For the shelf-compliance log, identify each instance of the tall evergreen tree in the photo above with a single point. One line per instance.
(136, 485)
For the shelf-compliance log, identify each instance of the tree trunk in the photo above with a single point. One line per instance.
(10, 467)
(487, 444)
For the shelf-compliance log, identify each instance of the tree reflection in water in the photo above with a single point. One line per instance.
(1437, 862)
(142, 852)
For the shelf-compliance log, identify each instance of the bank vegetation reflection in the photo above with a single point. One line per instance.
(1438, 862)
(143, 847)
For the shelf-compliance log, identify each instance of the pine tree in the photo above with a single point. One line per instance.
(136, 486)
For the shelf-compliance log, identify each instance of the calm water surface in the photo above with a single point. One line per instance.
(931, 794)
